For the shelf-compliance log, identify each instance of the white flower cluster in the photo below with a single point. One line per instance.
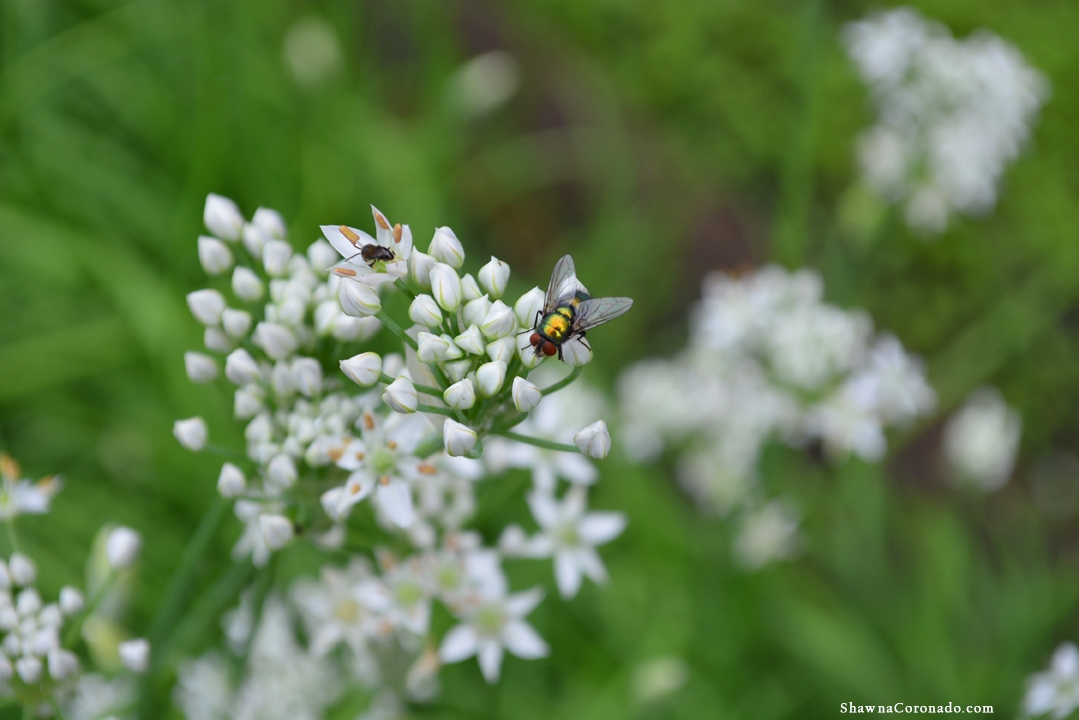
(37, 666)
(981, 440)
(1056, 690)
(410, 441)
(768, 360)
(952, 114)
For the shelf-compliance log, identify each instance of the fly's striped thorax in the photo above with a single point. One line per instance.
(555, 326)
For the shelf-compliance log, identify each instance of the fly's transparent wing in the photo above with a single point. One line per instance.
(597, 311)
(563, 270)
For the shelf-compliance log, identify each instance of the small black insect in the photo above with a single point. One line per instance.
(371, 252)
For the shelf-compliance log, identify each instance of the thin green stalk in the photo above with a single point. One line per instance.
(222, 451)
(400, 284)
(538, 442)
(517, 420)
(396, 329)
(437, 410)
(10, 524)
(56, 709)
(72, 635)
(573, 375)
(425, 389)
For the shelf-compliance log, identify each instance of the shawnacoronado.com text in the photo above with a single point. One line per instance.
(901, 707)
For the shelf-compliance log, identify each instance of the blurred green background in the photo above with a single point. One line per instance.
(655, 141)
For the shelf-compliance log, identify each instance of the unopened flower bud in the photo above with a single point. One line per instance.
(502, 349)
(275, 257)
(214, 255)
(475, 311)
(62, 663)
(222, 217)
(401, 396)
(490, 376)
(241, 368)
(363, 369)
(276, 530)
(575, 352)
(254, 240)
(277, 340)
(135, 655)
(446, 287)
(29, 669)
(270, 223)
(470, 289)
(281, 472)
(594, 441)
(231, 482)
(459, 439)
(22, 570)
(419, 268)
(527, 306)
(191, 433)
(493, 277)
(206, 306)
(122, 547)
(431, 348)
(200, 368)
(525, 394)
(500, 321)
(457, 370)
(71, 600)
(307, 376)
(445, 247)
(453, 352)
(357, 299)
(246, 284)
(281, 380)
(214, 338)
(461, 395)
(321, 255)
(471, 341)
(236, 323)
(424, 311)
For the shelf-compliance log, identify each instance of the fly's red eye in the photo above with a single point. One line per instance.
(549, 348)
(535, 339)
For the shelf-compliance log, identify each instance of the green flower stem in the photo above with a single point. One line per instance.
(517, 420)
(72, 635)
(425, 389)
(547, 444)
(401, 285)
(429, 445)
(222, 451)
(172, 602)
(10, 525)
(59, 714)
(396, 329)
(455, 330)
(573, 375)
(437, 410)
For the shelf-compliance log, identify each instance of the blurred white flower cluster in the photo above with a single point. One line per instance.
(951, 114)
(768, 360)
(1056, 690)
(981, 440)
(39, 669)
(328, 428)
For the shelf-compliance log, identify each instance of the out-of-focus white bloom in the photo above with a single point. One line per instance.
(277, 340)
(485, 82)
(495, 624)
(71, 600)
(191, 433)
(246, 284)
(981, 440)
(594, 441)
(424, 311)
(431, 348)
(419, 268)
(357, 299)
(459, 439)
(214, 255)
(490, 377)
(29, 669)
(206, 305)
(1055, 690)
(241, 368)
(135, 655)
(222, 217)
(62, 663)
(236, 323)
(363, 369)
(275, 257)
(461, 395)
(952, 114)
(446, 248)
(471, 341)
(20, 495)
(122, 547)
(307, 376)
(767, 534)
(527, 306)
(214, 338)
(332, 609)
(276, 531)
(446, 286)
(22, 570)
(401, 396)
(231, 482)
(475, 311)
(659, 677)
(281, 472)
(493, 277)
(312, 52)
(200, 368)
(321, 255)
(525, 394)
(570, 536)
(499, 322)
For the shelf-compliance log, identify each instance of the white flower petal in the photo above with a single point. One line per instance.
(601, 527)
(490, 656)
(395, 499)
(461, 642)
(522, 640)
(567, 573)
